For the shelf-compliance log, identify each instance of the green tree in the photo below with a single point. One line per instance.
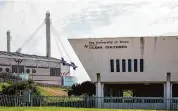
(86, 87)
(20, 86)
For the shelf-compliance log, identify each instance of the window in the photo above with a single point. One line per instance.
(54, 71)
(33, 70)
(135, 65)
(129, 65)
(123, 65)
(15, 69)
(141, 65)
(112, 65)
(7, 69)
(28, 70)
(117, 65)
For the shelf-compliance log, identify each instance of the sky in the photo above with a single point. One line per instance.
(83, 19)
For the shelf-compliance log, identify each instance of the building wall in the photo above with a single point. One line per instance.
(42, 74)
(159, 53)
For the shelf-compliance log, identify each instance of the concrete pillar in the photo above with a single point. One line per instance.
(8, 41)
(164, 90)
(48, 35)
(168, 91)
(99, 92)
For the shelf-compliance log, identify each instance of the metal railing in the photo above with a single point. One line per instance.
(92, 102)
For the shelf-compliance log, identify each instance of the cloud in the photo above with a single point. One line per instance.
(84, 18)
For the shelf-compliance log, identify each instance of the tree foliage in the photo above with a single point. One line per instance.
(16, 88)
(86, 87)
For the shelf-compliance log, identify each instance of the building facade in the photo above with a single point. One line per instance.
(41, 69)
(143, 66)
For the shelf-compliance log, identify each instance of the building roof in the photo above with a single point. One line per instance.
(26, 55)
(4, 54)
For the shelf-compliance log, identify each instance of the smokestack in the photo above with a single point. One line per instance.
(8, 41)
(48, 36)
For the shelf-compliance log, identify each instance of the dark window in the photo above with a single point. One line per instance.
(135, 65)
(54, 71)
(112, 65)
(0, 69)
(123, 65)
(28, 70)
(15, 67)
(141, 65)
(117, 65)
(21, 69)
(7, 69)
(33, 71)
(129, 65)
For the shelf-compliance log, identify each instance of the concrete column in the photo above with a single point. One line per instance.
(99, 92)
(102, 89)
(164, 90)
(48, 35)
(8, 41)
(168, 91)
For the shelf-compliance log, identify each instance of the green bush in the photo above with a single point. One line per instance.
(20, 86)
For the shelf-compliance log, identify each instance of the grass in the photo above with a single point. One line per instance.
(46, 91)
(60, 109)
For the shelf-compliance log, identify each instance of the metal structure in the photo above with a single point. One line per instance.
(152, 103)
(49, 28)
(44, 69)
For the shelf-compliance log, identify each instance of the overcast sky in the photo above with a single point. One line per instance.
(84, 18)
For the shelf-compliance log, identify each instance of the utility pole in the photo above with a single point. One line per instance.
(18, 61)
(48, 35)
(8, 41)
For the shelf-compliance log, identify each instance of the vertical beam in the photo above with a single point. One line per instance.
(164, 84)
(99, 91)
(8, 41)
(168, 91)
(48, 35)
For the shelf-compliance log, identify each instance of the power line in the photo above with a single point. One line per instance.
(31, 36)
(53, 28)
(58, 38)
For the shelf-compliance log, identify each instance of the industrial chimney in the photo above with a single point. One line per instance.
(8, 41)
(48, 36)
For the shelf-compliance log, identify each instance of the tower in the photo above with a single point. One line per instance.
(8, 41)
(48, 35)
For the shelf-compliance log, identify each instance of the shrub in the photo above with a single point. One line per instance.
(17, 87)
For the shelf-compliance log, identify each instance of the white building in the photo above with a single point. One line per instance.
(145, 66)
(42, 69)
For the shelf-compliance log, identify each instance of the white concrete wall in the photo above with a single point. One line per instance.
(160, 56)
(39, 71)
(42, 74)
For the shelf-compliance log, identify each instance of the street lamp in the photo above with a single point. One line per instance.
(18, 61)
